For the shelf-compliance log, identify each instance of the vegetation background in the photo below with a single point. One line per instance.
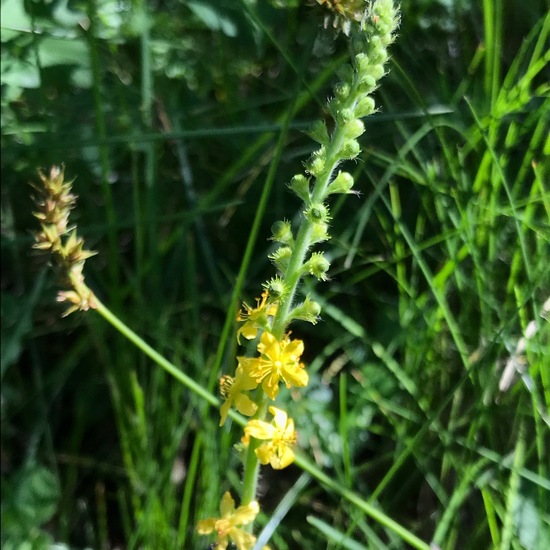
(171, 113)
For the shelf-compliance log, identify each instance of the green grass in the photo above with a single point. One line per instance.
(183, 132)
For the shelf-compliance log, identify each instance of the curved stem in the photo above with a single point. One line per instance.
(301, 462)
(109, 316)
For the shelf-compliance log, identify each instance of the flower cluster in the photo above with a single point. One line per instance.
(257, 380)
(55, 201)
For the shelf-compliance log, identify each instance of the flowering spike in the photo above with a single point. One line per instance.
(370, 26)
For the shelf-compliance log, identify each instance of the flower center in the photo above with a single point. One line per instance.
(223, 526)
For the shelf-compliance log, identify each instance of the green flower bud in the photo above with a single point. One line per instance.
(341, 90)
(361, 62)
(376, 71)
(319, 232)
(343, 116)
(365, 107)
(354, 128)
(319, 133)
(375, 44)
(350, 149)
(385, 20)
(281, 257)
(317, 212)
(316, 163)
(367, 84)
(318, 266)
(343, 183)
(300, 185)
(306, 311)
(276, 288)
(379, 55)
(282, 232)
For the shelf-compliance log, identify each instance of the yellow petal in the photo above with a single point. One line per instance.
(295, 349)
(224, 410)
(242, 539)
(245, 514)
(279, 418)
(265, 453)
(283, 458)
(270, 385)
(227, 505)
(248, 330)
(295, 376)
(269, 346)
(243, 380)
(259, 429)
(245, 405)
(205, 526)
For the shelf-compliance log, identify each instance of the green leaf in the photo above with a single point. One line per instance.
(14, 16)
(531, 530)
(16, 323)
(334, 535)
(213, 19)
(36, 495)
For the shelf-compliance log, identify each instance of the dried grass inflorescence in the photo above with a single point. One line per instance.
(54, 202)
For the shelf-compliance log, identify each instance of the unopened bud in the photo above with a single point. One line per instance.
(315, 164)
(307, 311)
(282, 232)
(281, 258)
(341, 90)
(365, 107)
(317, 212)
(276, 288)
(350, 149)
(318, 265)
(341, 184)
(300, 185)
(354, 128)
(319, 232)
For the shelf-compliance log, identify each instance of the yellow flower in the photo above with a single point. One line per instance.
(232, 390)
(255, 318)
(280, 437)
(279, 360)
(227, 525)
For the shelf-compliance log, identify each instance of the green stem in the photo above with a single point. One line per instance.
(291, 279)
(251, 463)
(302, 244)
(109, 316)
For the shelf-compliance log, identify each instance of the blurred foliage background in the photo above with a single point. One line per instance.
(169, 114)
